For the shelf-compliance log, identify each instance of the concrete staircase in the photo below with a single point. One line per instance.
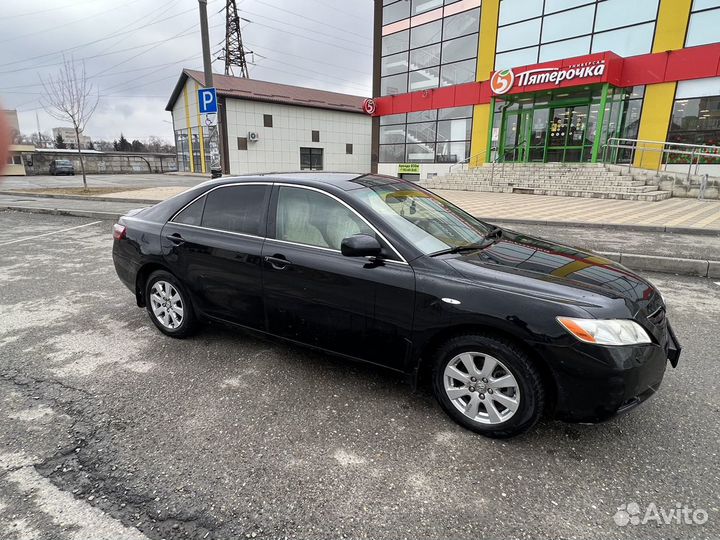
(561, 179)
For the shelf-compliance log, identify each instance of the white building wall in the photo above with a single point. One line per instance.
(278, 147)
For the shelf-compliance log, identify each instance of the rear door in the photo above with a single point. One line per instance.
(215, 244)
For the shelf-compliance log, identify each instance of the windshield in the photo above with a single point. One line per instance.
(63, 162)
(427, 221)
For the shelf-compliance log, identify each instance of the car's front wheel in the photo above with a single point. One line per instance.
(488, 384)
(169, 305)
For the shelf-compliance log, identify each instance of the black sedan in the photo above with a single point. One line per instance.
(378, 269)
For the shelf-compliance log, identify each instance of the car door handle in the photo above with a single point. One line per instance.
(175, 238)
(278, 262)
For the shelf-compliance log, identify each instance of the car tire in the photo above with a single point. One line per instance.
(488, 384)
(168, 305)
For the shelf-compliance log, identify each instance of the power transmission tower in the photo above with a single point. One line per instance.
(233, 52)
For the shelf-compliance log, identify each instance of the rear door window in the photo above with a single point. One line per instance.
(238, 209)
(192, 214)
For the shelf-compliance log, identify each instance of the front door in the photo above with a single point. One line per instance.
(566, 137)
(516, 136)
(215, 246)
(315, 295)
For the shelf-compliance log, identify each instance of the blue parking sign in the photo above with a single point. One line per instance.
(207, 100)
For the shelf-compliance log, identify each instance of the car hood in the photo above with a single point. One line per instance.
(527, 256)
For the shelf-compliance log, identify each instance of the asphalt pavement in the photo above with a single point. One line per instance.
(112, 431)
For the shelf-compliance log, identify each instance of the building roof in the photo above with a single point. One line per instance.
(254, 90)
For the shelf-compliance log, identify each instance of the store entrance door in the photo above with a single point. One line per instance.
(515, 139)
(566, 138)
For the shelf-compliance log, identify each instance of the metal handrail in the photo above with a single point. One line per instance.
(665, 148)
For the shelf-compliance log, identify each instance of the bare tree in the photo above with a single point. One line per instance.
(69, 97)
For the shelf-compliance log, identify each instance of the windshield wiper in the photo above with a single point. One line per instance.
(490, 238)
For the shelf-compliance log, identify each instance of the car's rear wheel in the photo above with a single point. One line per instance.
(488, 384)
(168, 305)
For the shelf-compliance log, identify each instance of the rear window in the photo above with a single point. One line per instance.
(238, 209)
(63, 162)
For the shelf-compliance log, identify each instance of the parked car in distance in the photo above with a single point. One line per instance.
(61, 166)
(506, 326)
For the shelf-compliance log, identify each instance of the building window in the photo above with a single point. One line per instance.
(704, 23)
(315, 136)
(532, 31)
(242, 143)
(397, 11)
(440, 136)
(267, 120)
(696, 113)
(311, 159)
(349, 148)
(17, 160)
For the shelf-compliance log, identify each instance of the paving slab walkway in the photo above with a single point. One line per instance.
(675, 213)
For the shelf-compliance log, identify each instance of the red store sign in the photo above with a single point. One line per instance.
(591, 69)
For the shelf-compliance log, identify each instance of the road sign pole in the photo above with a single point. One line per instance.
(214, 140)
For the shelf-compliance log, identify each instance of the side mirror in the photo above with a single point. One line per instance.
(360, 245)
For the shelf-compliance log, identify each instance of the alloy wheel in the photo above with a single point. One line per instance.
(167, 304)
(481, 387)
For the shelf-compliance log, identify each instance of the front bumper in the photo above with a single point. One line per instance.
(595, 383)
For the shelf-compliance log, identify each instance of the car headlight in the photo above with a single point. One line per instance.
(605, 332)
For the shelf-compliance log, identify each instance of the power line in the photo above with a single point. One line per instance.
(315, 60)
(287, 32)
(44, 10)
(324, 23)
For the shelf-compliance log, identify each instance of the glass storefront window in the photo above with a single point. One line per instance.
(626, 41)
(395, 43)
(394, 84)
(698, 88)
(422, 116)
(452, 152)
(393, 64)
(458, 73)
(517, 10)
(454, 130)
(392, 153)
(422, 132)
(421, 6)
(568, 24)
(467, 22)
(392, 134)
(522, 57)
(615, 13)
(459, 49)
(424, 79)
(420, 153)
(396, 12)
(518, 35)
(425, 57)
(455, 112)
(551, 6)
(392, 119)
(703, 28)
(705, 4)
(426, 34)
(565, 49)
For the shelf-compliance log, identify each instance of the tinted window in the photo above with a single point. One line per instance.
(236, 209)
(192, 215)
(309, 217)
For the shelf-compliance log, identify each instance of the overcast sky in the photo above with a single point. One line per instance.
(134, 51)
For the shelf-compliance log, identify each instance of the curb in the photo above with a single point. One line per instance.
(611, 226)
(25, 194)
(110, 216)
(666, 265)
(652, 263)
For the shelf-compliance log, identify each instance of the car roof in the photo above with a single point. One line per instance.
(342, 180)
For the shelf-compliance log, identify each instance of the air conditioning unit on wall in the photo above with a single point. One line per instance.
(253, 136)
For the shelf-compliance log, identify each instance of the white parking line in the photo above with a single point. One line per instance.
(48, 234)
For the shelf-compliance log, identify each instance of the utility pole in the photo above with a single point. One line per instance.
(205, 36)
(234, 52)
(214, 139)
